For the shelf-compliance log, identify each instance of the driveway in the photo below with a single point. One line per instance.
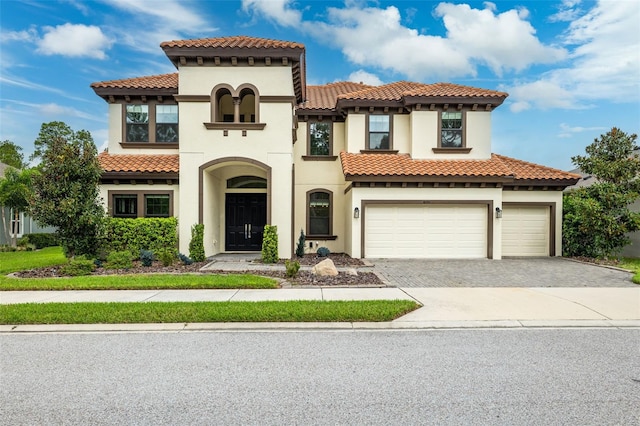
(534, 272)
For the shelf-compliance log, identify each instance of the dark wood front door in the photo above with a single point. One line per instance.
(246, 215)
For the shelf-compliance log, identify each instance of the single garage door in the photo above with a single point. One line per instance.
(525, 231)
(426, 231)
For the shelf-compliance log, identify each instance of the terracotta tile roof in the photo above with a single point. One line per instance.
(324, 97)
(139, 163)
(232, 42)
(446, 90)
(163, 81)
(387, 92)
(403, 165)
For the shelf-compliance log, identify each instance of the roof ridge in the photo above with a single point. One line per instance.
(529, 163)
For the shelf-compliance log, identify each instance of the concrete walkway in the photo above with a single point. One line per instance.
(442, 307)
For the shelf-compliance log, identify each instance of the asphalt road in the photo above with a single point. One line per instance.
(510, 377)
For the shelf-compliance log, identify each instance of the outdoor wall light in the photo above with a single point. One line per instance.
(356, 213)
(498, 212)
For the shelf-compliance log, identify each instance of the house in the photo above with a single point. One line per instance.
(235, 139)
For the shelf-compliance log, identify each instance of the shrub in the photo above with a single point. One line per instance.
(78, 267)
(292, 268)
(270, 244)
(146, 257)
(186, 260)
(42, 240)
(301, 244)
(196, 245)
(166, 256)
(141, 233)
(119, 260)
(323, 252)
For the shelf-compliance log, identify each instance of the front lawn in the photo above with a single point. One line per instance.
(632, 264)
(190, 312)
(14, 261)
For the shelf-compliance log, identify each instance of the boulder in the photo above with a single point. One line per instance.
(325, 268)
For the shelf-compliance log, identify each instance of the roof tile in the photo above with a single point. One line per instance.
(232, 42)
(139, 163)
(324, 97)
(163, 81)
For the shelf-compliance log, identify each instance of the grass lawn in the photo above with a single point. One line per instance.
(13, 261)
(189, 312)
(632, 264)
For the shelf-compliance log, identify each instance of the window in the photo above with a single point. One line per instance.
(156, 205)
(229, 105)
(166, 123)
(319, 138)
(451, 130)
(125, 205)
(132, 204)
(379, 132)
(319, 213)
(246, 182)
(16, 222)
(137, 123)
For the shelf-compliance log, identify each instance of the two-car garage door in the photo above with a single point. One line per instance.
(426, 231)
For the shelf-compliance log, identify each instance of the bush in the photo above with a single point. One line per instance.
(141, 233)
(77, 267)
(196, 245)
(292, 268)
(166, 256)
(42, 240)
(186, 260)
(323, 252)
(119, 260)
(301, 245)
(146, 257)
(270, 244)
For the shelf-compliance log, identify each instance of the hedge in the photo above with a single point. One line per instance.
(140, 234)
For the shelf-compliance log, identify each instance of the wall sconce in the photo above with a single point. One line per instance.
(356, 213)
(498, 212)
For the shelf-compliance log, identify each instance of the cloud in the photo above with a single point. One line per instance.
(542, 95)
(567, 131)
(30, 35)
(74, 40)
(567, 11)
(54, 110)
(6, 78)
(277, 11)
(362, 76)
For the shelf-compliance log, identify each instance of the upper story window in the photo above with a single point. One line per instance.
(320, 138)
(451, 131)
(379, 129)
(151, 123)
(229, 105)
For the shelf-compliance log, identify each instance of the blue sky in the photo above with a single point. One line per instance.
(571, 67)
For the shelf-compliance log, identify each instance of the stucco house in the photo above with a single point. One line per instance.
(235, 139)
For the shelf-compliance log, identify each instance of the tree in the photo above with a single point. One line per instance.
(10, 154)
(15, 192)
(597, 218)
(66, 189)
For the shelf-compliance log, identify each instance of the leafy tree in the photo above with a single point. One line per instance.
(15, 192)
(597, 218)
(10, 154)
(66, 189)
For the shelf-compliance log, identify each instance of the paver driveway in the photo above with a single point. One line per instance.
(535, 272)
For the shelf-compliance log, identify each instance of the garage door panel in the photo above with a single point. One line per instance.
(525, 231)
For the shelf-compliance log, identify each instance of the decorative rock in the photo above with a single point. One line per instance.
(325, 268)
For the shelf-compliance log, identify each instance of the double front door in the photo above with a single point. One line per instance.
(246, 215)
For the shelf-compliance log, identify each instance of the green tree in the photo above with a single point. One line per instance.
(10, 154)
(66, 189)
(15, 192)
(597, 218)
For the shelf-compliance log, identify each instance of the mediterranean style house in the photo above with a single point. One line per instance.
(235, 139)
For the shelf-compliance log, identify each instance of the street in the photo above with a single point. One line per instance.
(510, 377)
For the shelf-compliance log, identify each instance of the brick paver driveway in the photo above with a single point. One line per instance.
(538, 272)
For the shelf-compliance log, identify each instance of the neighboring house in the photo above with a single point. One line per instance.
(22, 224)
(236, 140)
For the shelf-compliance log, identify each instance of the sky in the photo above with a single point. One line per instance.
(571, 67)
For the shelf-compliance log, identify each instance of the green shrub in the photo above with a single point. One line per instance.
(270, 244)
(323, 252)
(78, 267)
(119, 260)
(196, 245)
(141, 233)
(146, 257)
(41, 240)
(186, 260)
(166, 256)
(301, 244)
(292, 268)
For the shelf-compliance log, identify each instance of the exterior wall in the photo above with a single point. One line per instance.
(274, 80)
(358, 195)
(424, 133)
(540, 197)
(116, 112)
(401, 133)
(355, 132)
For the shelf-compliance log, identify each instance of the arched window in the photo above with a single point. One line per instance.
(229, 105)
(319, 212)
(247, 106)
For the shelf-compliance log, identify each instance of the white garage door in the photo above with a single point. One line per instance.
(525, 231)
(426, 231)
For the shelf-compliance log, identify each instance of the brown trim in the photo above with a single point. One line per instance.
(348, 188)
(234, 126)
(552, 219)
(278, 99)
(321, 237)
(366, 129)
(150, 145)
(293, 209)
(489, 203)
(152, 126)
(306, 209)
(451, 150)
(464, 130)
(331, 130)
(251, 161)
(467, 101)
(192, 98)
(140, 193)
(139, 175)
(319, 157)
(379, 151)
(304, 114)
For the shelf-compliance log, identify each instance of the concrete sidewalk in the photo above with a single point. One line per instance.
(442, 307)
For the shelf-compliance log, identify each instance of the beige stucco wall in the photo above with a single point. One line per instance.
(274, 80)
(355, 132)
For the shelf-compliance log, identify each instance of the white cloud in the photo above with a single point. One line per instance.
(75, 40)
(276, 10)
(542, 95)
(567, 11)
(6, 78)
(567, 131)
(54, 110)
(362, 76)
(30, 35)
